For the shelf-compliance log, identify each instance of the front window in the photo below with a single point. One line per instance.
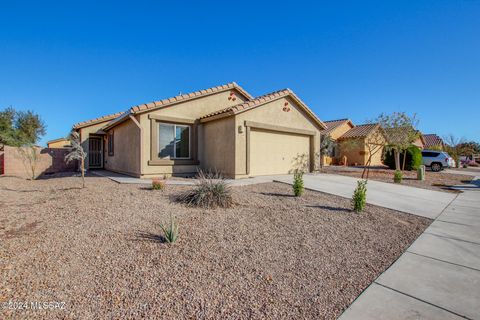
(173, 141)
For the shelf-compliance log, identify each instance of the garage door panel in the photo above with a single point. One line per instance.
(276, 152)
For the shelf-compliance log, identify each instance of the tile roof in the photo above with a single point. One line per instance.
(97, 120)
(188, 96)
(177, 99)
(261, 100)
(360, 131)
(432, 140)
(162, 103)
(399, 135)
(333, 124)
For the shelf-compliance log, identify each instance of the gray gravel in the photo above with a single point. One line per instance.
(272, 256)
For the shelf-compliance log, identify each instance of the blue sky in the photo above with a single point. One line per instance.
(75, 60)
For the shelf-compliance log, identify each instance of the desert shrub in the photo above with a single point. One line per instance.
(211, 191)
(170, 230)
(359, 198)
(158, 184)
(398, 176)
(298, 183)
(413, 160)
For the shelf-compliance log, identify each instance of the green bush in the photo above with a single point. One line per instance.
(359, 198)
(209, 192)
(298, 183)
(170, 231)
(398, 176)
(413, 161)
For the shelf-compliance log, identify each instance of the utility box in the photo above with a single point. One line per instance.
(421, 173)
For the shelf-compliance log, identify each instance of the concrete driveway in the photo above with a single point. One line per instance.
(421, 202)
(438, 277)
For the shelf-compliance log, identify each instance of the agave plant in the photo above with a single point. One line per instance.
(170, 230)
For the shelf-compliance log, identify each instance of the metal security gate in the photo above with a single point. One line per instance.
(95, 152)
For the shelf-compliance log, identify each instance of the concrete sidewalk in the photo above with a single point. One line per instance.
(438, 277)
(421, 202)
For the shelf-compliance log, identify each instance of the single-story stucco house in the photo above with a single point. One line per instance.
(222, 129)
(354, 143)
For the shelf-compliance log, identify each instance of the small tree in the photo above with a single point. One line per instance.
(298, 187)
(77, 153)
(359, 198)
(455, 147)
(400, 130)
(30, 158)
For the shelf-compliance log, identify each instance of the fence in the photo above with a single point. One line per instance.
(48, 161)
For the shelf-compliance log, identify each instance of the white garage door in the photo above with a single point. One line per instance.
(276, 152)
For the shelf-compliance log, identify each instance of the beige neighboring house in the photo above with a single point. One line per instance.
(335, 129)
(59, 143)
(356, 144)
(222, 128)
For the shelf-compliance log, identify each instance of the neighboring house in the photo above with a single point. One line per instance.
(59, 143)
(433, 141)
(335, 129)
(222, 128)
(357, 143)
(398, 135)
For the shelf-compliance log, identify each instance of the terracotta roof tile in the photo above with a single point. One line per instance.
(97, 120)
(360, 131)
(333, 124)
(432, 140)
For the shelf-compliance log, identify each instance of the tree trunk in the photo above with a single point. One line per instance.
(397, 159)
(404, 159)
(83, 172)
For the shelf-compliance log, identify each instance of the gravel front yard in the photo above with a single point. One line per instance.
(439, 181)
(272, 256)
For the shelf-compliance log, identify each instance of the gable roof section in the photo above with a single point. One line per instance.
(259, 101)
(432, 140)
(398, 135)
(97, 120)
(189, 96)
(360, 131)
(141, 108)
(334, 124)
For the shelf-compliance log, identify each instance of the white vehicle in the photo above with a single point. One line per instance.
(437, 160)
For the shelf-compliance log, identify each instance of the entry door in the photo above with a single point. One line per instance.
(95, 152)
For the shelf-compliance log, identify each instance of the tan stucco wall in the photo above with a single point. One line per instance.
(126, 147)
(271, 114)
(357, 152)
(352, 149)
(58, 144)
(192, 110)
(216, 147)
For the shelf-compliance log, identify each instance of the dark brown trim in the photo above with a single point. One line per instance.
(264, 126)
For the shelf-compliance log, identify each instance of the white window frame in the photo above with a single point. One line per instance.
(175, 125)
